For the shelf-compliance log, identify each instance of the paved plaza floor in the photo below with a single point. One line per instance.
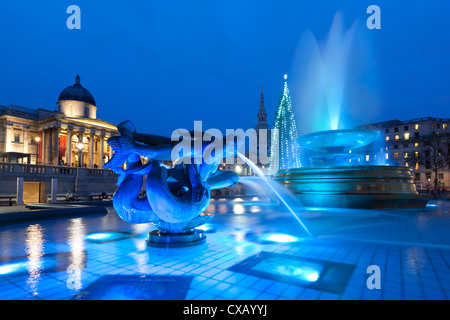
(254, 251)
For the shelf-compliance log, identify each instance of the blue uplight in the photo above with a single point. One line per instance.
(205, 227)
(431, 205)
(313, 276)
(316, 209)
(280, 237)
(304, 273)
(107, 236)
(101, 236)
(301, 270)
(13, 268)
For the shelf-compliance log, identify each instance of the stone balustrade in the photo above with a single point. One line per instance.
(82, 181)
(24, 170)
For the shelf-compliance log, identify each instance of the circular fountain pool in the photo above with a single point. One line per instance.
(337, 179)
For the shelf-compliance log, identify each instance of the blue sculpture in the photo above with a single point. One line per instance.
(175, 197)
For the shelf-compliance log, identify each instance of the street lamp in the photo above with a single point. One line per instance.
(80, 154)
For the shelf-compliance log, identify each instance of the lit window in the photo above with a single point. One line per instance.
(405, 155)
(406, 135)
(396, 155)
(416, 154)
(367, 157)
(416, 126)
(417, 167)
(416, 144)
(406, 164)
(387, 156)
(444, 126)
(387, 138)
(397, 137)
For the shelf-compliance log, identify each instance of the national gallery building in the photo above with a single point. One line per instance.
(71, 136)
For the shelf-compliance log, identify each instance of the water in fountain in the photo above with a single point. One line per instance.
(331, 96)
(334, 79)
(274, 188)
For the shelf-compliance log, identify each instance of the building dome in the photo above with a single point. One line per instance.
(77, 92)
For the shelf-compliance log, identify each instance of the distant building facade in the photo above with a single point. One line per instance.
(404, 143)
(71, 136)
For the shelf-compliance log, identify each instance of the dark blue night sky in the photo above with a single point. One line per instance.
(165, 64)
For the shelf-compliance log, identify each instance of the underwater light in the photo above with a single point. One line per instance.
(431, 205)
(314, 276)
(303, 271)
(99, 236)
(12, 268)
(205, 227)
(107, 236)
(316, 209)
(279, 237)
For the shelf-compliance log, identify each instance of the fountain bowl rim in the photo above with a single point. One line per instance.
(313, 139)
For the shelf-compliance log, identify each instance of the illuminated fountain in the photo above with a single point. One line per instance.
(347, 167)
(337, 177)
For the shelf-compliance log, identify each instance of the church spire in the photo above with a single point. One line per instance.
(261, 102)
(262, 115)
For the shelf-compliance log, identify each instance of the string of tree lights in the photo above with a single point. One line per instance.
(285, 151)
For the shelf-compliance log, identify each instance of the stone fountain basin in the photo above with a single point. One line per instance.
(373, 186)
(337, 140)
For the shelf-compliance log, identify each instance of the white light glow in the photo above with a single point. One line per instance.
(283, 238)
(11, 268)
(312, 276)
(99, 236)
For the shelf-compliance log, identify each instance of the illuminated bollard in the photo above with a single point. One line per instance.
(54, 192)
(19, 193)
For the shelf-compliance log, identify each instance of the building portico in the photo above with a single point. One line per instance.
(70, 136)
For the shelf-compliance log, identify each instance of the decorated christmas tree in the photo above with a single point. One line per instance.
(285, 151)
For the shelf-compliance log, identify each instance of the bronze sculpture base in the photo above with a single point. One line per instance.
(159, 239)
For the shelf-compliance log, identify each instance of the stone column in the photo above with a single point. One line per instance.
(91, 150)
(44, 146)
(26, 136)
(80, 151)
(9, 136)
(49, 146)
(101, 150)
(56, 146)
(110, 151)
(69, 146)
(41, 146)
